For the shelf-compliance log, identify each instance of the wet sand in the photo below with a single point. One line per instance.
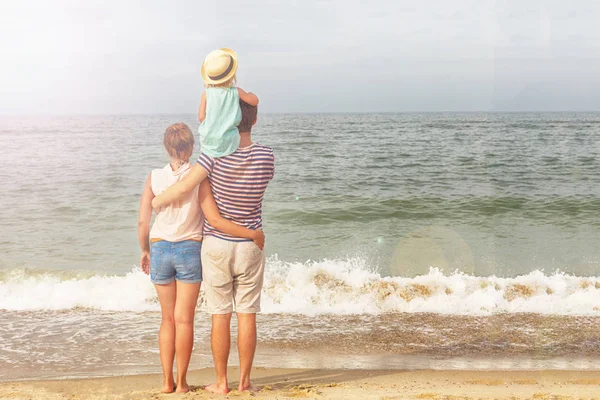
(46, 344)
(278, 383)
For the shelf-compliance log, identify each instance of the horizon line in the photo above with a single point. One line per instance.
(304, 113)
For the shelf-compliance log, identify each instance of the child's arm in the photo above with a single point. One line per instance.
(212, 215)
(248, 97)
(202, 109)
(181, 188)
(144, 226)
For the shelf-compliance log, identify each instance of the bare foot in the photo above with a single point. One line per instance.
(182, 388)
(217, 389)
(249, 388)
(168, 387)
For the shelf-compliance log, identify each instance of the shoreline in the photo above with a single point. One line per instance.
(350, 384)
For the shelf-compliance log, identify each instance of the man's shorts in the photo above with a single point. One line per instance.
(175, 260)
(233, 275)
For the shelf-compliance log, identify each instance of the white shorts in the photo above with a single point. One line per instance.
(233, 274)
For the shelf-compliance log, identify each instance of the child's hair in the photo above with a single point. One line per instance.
(179, 141)
(227, 84)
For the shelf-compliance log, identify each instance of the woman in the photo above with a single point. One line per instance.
(171, 252)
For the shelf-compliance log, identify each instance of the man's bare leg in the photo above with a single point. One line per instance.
(185, 308)
(166, 335)
(220, 342)
(246, 348)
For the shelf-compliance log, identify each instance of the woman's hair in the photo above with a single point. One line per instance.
(179, 141)
(227, 84)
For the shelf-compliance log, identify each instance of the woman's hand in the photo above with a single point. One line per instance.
(259, 238)
(145, 262)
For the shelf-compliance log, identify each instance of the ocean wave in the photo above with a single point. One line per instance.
(342, 287)
(23, 289)
(424, 208)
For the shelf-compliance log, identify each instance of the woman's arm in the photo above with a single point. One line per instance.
(212, 215)
(202, 109)
(144, 225)
(178, 190)
(248, 97)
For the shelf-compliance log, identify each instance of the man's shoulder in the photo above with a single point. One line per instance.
(261, 149)
(256, 149)
(205, 161)
(254, 152)
(260, 146)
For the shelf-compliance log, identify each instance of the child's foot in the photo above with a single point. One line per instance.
(217, 389)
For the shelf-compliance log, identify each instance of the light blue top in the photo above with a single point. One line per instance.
(219, 134)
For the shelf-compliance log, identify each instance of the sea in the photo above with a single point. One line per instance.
(401, 241)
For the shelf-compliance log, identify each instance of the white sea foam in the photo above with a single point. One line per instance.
(328, 286)
(23, 290)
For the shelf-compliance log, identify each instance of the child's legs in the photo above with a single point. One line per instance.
(167, 295)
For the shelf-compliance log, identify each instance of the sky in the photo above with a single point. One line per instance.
(121, 57)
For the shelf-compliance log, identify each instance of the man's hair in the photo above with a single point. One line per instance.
(248, 117)
(179, 141)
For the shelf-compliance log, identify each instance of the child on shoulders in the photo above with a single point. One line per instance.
(219, 111)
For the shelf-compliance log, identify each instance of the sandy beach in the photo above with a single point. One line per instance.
(277, 383)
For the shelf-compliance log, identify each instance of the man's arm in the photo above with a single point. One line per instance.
(202, 109)
(248, 97)
(213, 216)
(181, 188)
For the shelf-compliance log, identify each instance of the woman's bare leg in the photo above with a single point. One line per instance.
(185, 308)
(166, 336)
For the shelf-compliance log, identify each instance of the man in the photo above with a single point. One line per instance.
(233, 268)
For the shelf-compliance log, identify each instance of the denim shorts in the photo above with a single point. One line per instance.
(175, 260)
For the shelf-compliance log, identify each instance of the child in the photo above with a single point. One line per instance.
(219, 111)
(219, 114)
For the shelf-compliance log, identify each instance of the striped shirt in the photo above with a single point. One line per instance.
(238, 182)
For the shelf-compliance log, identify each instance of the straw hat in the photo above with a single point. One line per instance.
(219, 66)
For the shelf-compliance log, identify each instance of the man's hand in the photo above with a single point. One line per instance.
(259, 238)
(155, 206)
(145, 262)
